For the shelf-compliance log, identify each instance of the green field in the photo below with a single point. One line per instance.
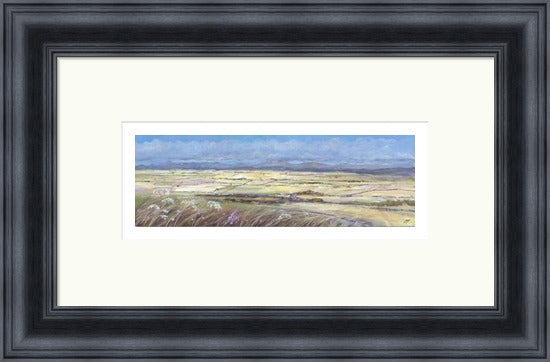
(272, 198)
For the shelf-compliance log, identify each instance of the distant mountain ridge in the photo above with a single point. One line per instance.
(282, 166)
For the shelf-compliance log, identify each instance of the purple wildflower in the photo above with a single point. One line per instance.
(233, 218)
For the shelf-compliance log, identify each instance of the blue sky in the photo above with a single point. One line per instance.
(364, 150)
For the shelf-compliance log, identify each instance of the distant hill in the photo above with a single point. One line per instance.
(281, 166)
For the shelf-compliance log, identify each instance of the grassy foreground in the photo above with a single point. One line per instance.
(272, 198)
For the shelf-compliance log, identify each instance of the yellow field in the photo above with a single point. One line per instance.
(272, 198)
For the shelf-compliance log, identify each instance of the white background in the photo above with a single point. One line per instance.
(453, 266)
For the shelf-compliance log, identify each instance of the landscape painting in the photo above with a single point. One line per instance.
(275, 180)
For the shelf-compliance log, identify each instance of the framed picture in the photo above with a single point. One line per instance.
(258, 180)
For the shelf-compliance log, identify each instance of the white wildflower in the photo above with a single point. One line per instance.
(161, 191)
(168, 201)
(191, 204)
(214, 205)
(153, 207)
(284, 216)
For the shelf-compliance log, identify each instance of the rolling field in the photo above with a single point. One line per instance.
(272, 198)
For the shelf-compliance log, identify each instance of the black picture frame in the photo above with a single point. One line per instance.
(36, 33)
